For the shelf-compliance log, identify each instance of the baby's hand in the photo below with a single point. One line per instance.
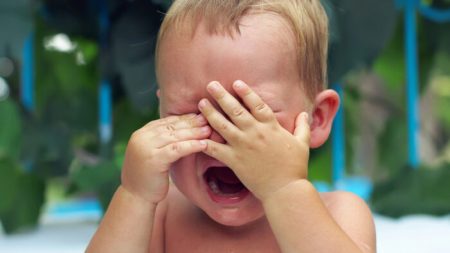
(154, 147)
(265, 156)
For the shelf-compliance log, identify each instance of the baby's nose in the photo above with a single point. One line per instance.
(215, 136)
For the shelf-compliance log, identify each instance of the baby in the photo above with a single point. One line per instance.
(242, 99)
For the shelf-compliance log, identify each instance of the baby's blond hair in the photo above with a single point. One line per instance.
(307, 19)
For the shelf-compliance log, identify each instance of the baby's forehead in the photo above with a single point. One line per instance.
(259, 55)
(188, 23)
(263, 27)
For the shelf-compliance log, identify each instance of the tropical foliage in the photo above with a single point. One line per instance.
(58, 140)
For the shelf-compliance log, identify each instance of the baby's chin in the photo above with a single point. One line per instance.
(236, 218)
(240, 214)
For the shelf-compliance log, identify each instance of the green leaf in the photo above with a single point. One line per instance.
(88, 48)
(392, 149)
(319, 167)
(10, 129)
(22, 196)
(10, 177)
(102, 178)
(390, 65)
(414, 191)
(127, 120)
(46, 147)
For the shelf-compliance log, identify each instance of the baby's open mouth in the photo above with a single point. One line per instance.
(224, 186)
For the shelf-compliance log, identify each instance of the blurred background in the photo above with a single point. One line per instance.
(77, 78)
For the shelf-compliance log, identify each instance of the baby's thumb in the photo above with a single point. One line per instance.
(302, 130)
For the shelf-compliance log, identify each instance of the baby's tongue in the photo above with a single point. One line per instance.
(225, 175)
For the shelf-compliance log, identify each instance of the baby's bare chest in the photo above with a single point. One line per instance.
(186, 237)
(208, 243)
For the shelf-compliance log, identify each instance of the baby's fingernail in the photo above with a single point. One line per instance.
(203, 103)
(214, 86)
(205, 129)
(306, 116)
(239, 84)
(203, 143)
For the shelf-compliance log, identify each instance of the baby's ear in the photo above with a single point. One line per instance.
(326, 105)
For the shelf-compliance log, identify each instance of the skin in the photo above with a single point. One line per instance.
(261, 127)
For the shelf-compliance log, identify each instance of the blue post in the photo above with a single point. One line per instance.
(436, 15)
(27, 75)
(412, 89)
(27, 83)
(105, 112)
(338, 141)
(105, 94)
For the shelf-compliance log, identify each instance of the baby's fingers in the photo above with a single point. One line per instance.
(259, 109)
(172, 136)
(175, 122)
(177, 150)
(219, 151)
(302, 129)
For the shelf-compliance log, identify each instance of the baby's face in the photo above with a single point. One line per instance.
(263, 56)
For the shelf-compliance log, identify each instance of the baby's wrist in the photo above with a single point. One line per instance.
(136, 198)
(287, 192)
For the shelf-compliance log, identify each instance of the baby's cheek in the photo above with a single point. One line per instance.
(181, 168)
(286, 121)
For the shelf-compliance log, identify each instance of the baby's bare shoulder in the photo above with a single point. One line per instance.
(345, 205)
(342, 199)
(353, 215)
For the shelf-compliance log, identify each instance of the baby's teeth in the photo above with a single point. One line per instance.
(214, 187)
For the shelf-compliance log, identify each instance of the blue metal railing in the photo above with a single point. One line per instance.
(358, 184)
(105, 93)
(338, 140)
(412, 79)
(411, 9)
(438, 16)
(27, 74)
(105, 112)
